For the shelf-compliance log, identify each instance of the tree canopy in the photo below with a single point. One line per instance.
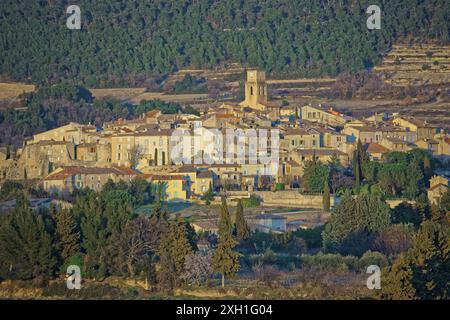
(122, 40)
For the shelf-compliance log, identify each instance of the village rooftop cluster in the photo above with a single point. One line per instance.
(77, 156)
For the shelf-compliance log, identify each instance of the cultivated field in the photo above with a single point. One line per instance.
(12, 90)
(178, 98)
(121, 94)
(136, 95)
(416, 65)
(437, 113)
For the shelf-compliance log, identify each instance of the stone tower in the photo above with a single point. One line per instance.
(255, 90)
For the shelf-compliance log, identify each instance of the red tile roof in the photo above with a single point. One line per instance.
(375, 148)
(156, 177)
(66, 172)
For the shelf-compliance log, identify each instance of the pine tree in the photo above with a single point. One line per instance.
(225, 260)
(242, 229)
(422, 272)
(25, 245)
(67, 234)
(326, 197)
(437, 214)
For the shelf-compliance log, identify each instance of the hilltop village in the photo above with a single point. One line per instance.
(77, 156)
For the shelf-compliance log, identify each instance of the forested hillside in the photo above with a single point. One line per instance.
(130, 39)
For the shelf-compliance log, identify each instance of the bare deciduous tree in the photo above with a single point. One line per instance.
(133, 244)
(135, 156)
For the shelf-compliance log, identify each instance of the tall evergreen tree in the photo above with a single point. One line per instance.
(25, 245)
(326, 196)
(159, 221)
(179, 246)
(355, 218)
(360, 159)
(94, 234)
(225, 260)
(68, 236)
(422, 272)
(242, 228)
(166, 272)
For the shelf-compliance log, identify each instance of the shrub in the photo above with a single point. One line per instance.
(76, 260)
(253, 201)
(312, 237)
(329, 262)
(372, 258)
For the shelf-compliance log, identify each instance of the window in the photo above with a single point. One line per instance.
(251, 91)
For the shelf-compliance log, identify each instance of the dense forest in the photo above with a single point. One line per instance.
(124, 41)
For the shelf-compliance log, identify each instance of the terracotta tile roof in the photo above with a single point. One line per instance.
(204, 174)
(188, 168)
(156, 177)
(52, 142)
(65, 172)
(375, 148)
(320, 152)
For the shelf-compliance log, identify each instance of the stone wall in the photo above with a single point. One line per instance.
(287, 198)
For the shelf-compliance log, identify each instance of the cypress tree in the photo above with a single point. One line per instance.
(242, 229)
(166, 272)
(225, 260)
(179, 246)
(326, 196)
(360, 158)
(159, 224)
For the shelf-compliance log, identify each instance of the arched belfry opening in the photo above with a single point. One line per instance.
(255, 90)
